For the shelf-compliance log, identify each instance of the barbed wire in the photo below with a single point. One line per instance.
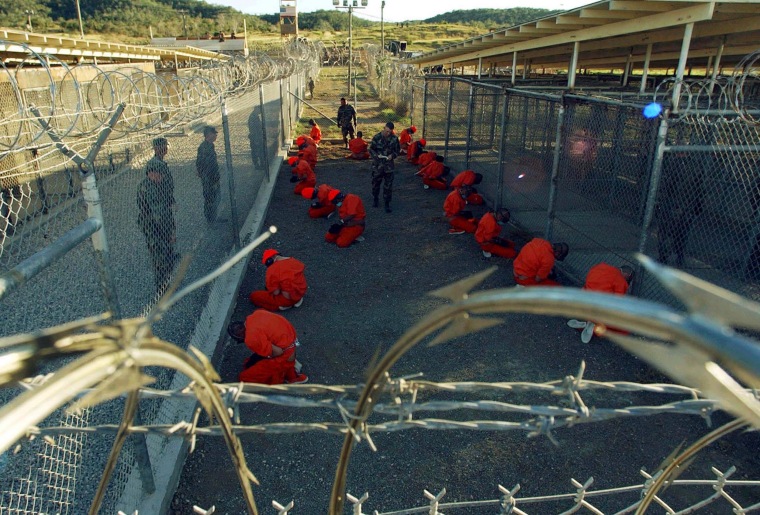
(79, 103)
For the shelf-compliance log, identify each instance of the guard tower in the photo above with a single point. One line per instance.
(288, 18)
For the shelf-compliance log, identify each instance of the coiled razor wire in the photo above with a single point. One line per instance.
(77, 100)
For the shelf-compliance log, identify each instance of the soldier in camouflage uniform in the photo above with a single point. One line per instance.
(155, 204)
(383, 149)
(207, 167)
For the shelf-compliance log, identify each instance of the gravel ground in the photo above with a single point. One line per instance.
(362, 299)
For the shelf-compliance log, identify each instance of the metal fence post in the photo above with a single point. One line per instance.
(230, 177)
(424, 107)
(282, 115)
(265, 147)
(654, 182)
(448, 118)
(290, 109)
(470, 115)
(555, 172)
(502, 152)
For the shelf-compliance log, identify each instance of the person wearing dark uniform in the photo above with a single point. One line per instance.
(383, 149)
(346, 120)
(155, 215)
(207, 168)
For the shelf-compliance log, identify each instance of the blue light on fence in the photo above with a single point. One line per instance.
(652, 110)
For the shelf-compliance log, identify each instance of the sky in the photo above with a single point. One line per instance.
(399, 10)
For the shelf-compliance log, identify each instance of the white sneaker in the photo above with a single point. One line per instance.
(360, 238)
(284, 308)
(588, 332)
(455, 231)
(426, 186)
(576, 324)
(298, 304)
(298, 367)
(486, 254)
(331, 213)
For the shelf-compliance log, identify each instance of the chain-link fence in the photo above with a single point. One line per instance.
(167, 190)
(584, 168)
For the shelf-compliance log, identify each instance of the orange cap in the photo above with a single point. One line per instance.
(307, 193)
(268, 253)
(413, 129)
(423, 142)
(333, 193)
(292, 160)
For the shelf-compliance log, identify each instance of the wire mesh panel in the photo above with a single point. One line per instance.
(435, 108)
(603, 179)
(459, 123)
(529, 143)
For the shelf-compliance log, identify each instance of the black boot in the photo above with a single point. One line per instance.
(375, 202)
(388, 207)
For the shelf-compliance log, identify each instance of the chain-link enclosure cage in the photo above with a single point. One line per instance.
(584, 169)
(168, 189)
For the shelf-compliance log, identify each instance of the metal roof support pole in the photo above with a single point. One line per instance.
(716, 64)
(550, 210)
(480, 66)
(470, 116)
(448, 118)
(525, 69)
(645, 72)
(573, 65)
(687, 32)
(514, 67)
(627, 71)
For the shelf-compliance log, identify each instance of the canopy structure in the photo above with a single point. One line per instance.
(615, 35)
(16, 45)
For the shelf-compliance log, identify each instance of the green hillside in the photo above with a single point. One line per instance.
(491, 18)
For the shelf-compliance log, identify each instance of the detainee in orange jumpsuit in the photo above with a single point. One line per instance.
(352, 219)
(309, 154)
(414, 151)
(469, 178)
(321, 207)
(461, 221)
(358, 148)
(315, 133)
(405, 138)
(435, 174)
(425, 159)
(604, 278)
(285, 283)
(487, 235)
(303, 175)
(534, 264)
(300, 140)
(273, 340)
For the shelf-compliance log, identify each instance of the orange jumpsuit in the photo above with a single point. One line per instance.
(262, 330)
(414, 151)
(352, 212)
(309, 154)
(607, 279)
(487, 236)
(306, 176)
(323, 206)
(285, 285)
(536, 259)
(467, 178)
(425, 159)
(316, 133)
(358, 148)
(452, 206)
(431, 176)
(404, 139)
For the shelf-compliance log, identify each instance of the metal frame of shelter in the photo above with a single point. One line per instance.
(617, 35)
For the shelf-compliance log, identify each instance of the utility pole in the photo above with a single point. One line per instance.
(350, 4)
(79, 17)
(184, 21)
(29, 20)
(382, 29)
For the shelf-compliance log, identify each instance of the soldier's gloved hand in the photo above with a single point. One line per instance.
(294, 178)
(335, 229)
